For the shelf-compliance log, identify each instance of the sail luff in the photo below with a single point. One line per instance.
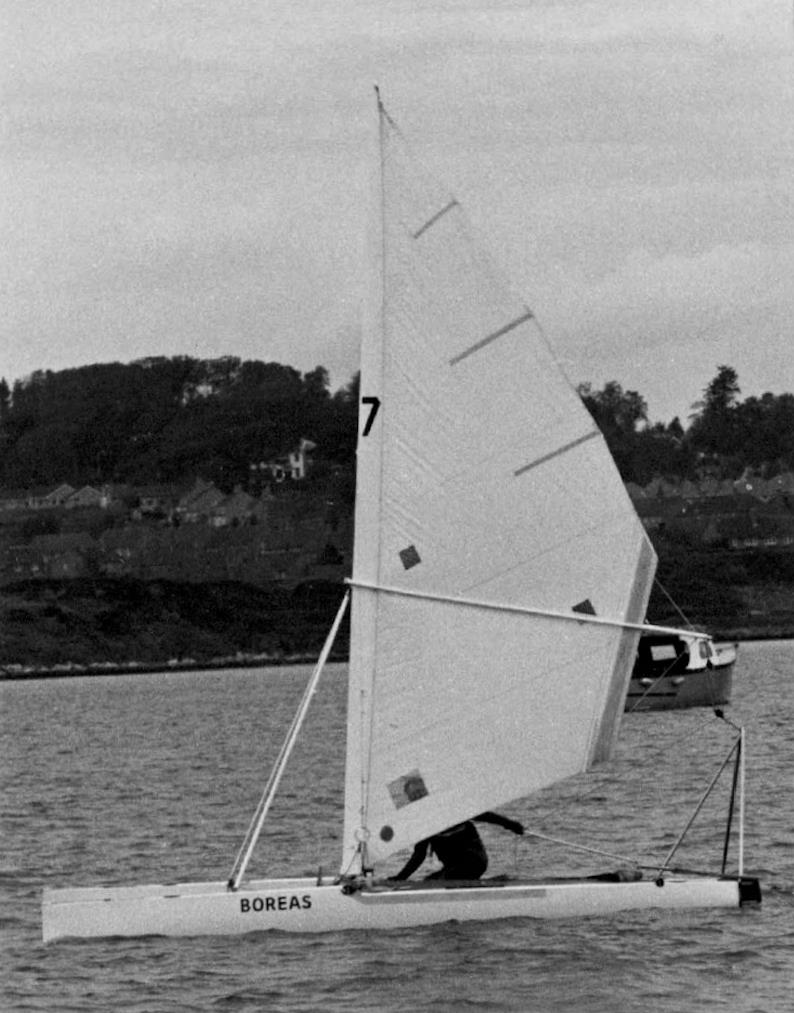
(366, 550)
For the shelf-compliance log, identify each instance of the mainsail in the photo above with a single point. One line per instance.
(498, 560)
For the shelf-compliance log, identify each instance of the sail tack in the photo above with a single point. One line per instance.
(482, 478)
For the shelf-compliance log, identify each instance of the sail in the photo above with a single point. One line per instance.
(497, 556)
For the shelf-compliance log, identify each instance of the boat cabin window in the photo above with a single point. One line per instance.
(663, 652)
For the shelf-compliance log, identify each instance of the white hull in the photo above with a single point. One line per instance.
(301, 905)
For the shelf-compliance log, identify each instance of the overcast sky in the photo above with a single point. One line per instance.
(189, 176)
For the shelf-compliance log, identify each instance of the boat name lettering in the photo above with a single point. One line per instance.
(280, 903)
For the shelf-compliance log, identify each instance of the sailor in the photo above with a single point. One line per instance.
(459, 849)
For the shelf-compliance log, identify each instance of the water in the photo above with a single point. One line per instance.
(146, 779)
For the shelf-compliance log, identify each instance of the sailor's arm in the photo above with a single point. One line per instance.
(500, 821)
(413, 863)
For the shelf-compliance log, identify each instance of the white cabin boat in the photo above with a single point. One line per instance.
(676, 670)
(499, 588)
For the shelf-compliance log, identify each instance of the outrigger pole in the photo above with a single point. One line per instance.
(737, 749)
(252, 835)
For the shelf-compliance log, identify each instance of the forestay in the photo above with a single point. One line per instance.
(482, 477)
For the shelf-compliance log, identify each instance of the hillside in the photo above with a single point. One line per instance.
(193, 544)
(100, 622)
(161, 623)
(733, 595)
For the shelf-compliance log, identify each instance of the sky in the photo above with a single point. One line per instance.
(188, 177)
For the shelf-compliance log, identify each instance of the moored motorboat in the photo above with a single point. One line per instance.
(675, 670)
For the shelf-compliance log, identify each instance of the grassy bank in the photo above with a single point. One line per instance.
(162, 623)
(168, 624)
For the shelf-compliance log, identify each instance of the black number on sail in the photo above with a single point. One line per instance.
(374, 402)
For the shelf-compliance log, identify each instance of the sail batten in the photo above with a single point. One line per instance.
(556, 453)
(483, 342)
(473, 679)
(432, 221)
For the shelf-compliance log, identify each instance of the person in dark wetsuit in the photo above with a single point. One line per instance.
(459, 849)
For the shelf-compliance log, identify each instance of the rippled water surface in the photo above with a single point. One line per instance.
(148, 779)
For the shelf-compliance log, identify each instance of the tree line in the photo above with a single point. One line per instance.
(168, 420)
(172, 419)
(723, 438)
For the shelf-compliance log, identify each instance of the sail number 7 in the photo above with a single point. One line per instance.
(374, 403)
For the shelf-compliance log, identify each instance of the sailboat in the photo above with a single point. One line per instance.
(499, 589)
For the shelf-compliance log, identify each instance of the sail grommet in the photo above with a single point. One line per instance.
(362, 835)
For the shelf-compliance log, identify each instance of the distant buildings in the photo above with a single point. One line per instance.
(291, 531)
(748, 512)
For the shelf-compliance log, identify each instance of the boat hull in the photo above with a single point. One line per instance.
(706, 687)
(301, 905)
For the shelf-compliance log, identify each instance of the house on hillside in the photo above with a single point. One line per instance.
(240, 507)
(118, 547)
(662, 488)
(689, 490)
(155, 502)
(13, 499)
(57, 497)
(293, 466)
(198, 504)
(88, 496)
(782, 485)
(17, 562)
(68, 555)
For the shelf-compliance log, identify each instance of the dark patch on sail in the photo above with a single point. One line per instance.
(410, 557)
(386, 832)
(408, 788)
(585, 608)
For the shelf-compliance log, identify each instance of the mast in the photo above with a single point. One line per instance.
(366, 548)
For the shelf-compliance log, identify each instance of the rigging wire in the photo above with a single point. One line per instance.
(622, 776)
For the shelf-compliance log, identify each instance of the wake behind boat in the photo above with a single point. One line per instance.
(499, 589)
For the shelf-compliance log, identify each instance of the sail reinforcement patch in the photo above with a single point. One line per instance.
(584, 608)
(410, 557)
(408, 788)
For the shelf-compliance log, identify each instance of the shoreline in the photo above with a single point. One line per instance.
(14, 673)
(68, 670)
